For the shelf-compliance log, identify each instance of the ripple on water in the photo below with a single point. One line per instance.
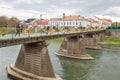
(105, 66)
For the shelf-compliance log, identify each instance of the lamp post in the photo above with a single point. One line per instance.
(40, 24)
(116, 24)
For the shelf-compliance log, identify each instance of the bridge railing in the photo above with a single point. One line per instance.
(11, 33)
(113, 28)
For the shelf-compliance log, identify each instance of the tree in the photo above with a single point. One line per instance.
(3, 21)
(119, 24)
(12, 22)
(116, 24)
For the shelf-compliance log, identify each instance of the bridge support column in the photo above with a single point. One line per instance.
(99, 37)
(73, 47)
(33, 63)
(91, 41)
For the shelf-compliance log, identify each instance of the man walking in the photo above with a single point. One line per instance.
(17, 30)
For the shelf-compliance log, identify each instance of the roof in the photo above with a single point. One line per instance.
(72, 17)
(108, 20)
(42, 22)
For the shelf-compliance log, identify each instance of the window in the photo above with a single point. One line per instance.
(67, 23)
(64, 23)
(80, 23)
(76, 23)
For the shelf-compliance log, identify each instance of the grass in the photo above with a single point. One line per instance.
(117, 40)
(59, 39)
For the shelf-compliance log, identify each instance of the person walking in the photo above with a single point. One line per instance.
(21, 28)
(17, 30)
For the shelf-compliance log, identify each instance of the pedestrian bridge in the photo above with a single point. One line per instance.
(33, 61)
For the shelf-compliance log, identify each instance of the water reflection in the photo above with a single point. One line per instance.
(8, 56)
(75, 69)
(105, 66)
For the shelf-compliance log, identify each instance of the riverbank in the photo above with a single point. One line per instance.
(105, 41)
(58, 39)
(110, 41)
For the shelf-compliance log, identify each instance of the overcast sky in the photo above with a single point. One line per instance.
(24, 9)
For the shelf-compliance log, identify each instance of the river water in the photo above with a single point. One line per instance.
(105, 66)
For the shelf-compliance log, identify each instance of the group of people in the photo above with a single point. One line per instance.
(20, 27)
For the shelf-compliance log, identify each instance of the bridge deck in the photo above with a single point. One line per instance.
(26, 35)
(11, 39)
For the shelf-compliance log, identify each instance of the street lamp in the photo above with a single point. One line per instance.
(116, 24)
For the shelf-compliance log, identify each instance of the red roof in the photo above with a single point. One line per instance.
(42, 22)
(72, 17)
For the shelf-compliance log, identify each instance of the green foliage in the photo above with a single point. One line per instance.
(5, 30)
(116, 24)
(112, 39)
(58, 40)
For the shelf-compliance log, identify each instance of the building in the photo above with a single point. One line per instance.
(69, 21)
(103, 22)
(79, 21)
(106, 22)
(38, 23)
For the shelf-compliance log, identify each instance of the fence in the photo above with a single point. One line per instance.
(113, 28)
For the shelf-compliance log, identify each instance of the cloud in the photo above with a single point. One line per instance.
(71, 2)
(113, 18)
(5, 6)
(57, 11)
(9, 11)
(53, 8)
(26, 1)
(113, 11)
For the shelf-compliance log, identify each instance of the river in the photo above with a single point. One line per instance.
(105, 66)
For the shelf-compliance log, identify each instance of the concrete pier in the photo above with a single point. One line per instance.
(91, 40)
(73, 47)
(33, 63)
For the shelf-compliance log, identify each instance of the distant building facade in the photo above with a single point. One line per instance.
(68, 21)
(79, 21)
(39, 23)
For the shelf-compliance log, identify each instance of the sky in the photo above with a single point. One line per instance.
(24, 9)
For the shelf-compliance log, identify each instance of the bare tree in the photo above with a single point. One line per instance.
(12, 22)
(3, 21)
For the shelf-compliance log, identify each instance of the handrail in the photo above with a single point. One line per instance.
(9, 33)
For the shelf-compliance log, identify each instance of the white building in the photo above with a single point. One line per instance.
(69, 21)
(78, 21)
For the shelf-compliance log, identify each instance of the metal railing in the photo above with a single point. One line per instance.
(113, 28)
(11, 33)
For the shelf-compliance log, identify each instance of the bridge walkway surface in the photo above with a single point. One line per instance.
(45, 33)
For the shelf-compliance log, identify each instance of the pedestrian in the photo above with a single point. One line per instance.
(21, 28)
(17, 30)
(48, 29)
